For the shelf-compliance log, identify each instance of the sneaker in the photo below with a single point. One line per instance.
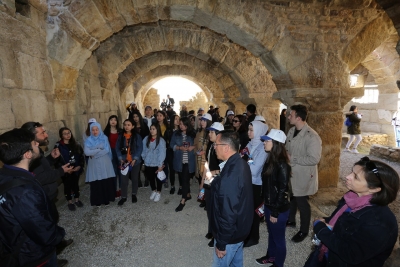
(211, 243)
(71, 207)
(153, 195)
(134, 199)
(157, 197)
(122, 201)
(265, 260)
(355, 151)
(172, 191)
(79, 204)
(346, 150)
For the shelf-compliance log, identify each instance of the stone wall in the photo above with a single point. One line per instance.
(386, 152)
(152, 98)
(197, 101)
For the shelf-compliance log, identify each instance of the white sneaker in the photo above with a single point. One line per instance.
(355, 151)
(153, 195)
(346, 150)
(157, 197)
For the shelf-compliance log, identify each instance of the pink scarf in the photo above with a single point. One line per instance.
(355, 203)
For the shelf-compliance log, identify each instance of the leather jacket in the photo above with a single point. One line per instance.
(276, 189)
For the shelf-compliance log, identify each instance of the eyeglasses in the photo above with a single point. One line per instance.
(370, 165)
(235, 121)
(215, 144)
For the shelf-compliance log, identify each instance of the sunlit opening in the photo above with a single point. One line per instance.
(180, 89)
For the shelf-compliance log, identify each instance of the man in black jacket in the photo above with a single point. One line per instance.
(231, 202)
(28, 229)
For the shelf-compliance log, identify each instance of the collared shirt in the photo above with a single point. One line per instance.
(222, 164)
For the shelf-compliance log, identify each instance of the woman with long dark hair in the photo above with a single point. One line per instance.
(129, 149)
(276, 174)
(240, 126)
(354, 129)
(173, 126)
(182, 143)
(362, 231)
(72, 153)
(112, 131)
(201, 141)
(154, 152)
(163, 123)
(140, 127)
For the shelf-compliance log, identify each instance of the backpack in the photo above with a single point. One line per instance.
(8, 259)
(347, 122)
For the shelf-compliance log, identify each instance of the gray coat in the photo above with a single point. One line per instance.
(305, 154)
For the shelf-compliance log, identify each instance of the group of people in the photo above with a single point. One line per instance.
(246, 173)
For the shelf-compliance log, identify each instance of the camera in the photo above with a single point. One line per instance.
(72, 160)
(124, 150)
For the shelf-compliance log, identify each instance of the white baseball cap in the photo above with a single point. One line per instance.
(216, 126)
(91, 120)
(230, 112)
(206, 117)
(201, 109)
(259, 118)
(276, 135)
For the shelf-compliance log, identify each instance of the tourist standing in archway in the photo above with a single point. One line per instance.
(201, 142)
(129, 150)
(112, 131)
(353, 129)
(163, 123)
(276, 174)
(173, 127)
(255, 157)
(183, 112)
(100, 172)
(239, 126)
(182, 143)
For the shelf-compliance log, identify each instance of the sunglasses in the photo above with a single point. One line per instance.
(370, 165)
(235, 121)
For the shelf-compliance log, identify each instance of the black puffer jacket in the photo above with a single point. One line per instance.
(276, 189)
(26, 214)
(354, 128)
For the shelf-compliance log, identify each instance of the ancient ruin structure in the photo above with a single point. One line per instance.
(64, 61)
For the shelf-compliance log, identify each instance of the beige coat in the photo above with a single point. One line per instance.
(305, 153)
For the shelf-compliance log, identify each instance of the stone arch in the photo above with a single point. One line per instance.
(124, 48)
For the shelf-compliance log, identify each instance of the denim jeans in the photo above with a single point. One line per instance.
(276, 237)
(232, 258)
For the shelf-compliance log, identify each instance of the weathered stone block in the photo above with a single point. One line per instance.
(6, 110)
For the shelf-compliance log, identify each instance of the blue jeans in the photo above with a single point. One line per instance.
(232, 258)
(276, 237)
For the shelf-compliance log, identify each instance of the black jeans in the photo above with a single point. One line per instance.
(71, 186)
(305, 212)
(170, 162)
(254, 234)
(184, 176)
(152, 176)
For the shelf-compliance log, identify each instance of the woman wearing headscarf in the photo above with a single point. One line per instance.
(100, 172)
(255, 156)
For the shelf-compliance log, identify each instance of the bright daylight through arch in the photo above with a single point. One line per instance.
(180, 89)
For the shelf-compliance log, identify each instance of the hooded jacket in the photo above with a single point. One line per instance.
(257, 152)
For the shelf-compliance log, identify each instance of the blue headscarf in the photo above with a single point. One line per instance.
(100, 141)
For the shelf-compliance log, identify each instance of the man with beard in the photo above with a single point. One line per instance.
(41, 167)
(46, 175)
(29, 231)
